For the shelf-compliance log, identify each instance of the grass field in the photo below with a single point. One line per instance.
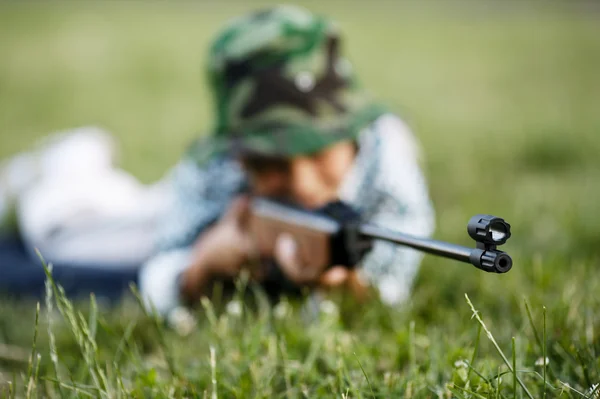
(505, 98)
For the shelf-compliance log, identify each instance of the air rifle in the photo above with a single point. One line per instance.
(335, 235)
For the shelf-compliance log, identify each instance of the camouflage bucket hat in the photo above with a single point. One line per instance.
(281, 87)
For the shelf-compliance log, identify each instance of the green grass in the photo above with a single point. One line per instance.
(505, 99)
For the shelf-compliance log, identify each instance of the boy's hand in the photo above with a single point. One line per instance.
(286, 255)
(221, 251)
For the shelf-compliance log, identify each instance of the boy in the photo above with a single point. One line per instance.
(291, 124)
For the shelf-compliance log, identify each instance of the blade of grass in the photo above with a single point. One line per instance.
(158, 328)
(493, 340)
(456, 393)
(535, 331)
(544, 356)
(541, 342)
(123, 342)
(209, 311)
(340, 377)
(53, 350)
(32, 357)
(36, 374)
(122, 392)
(89, 330)
(365, 374)
(78, 329)
(478, 374)
(596, 388)
(469, 392)
(499, 382)
(584, 368)
(93, 319)
(538, 375)
(284, 366)
(79, 389)
(474, 352)
(411, 347)
(514, 363)
(570, 388)
(33, 346)
(213, 372)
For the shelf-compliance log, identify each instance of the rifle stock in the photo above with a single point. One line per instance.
(312, 233)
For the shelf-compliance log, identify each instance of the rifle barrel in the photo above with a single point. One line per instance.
(441, 248)
(481, 228)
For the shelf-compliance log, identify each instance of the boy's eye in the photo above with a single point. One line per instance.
(261, 165)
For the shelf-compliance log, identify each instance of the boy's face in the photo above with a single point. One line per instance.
(310, 181)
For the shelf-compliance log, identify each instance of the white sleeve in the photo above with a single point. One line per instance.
(201, 194)
(403, 205)
(159, 279)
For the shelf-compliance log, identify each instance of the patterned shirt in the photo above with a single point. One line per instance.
(385, 184)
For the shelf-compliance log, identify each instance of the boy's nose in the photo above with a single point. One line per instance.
(306, 184)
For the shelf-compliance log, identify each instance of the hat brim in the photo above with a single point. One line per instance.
(285, 140)
(288, 140)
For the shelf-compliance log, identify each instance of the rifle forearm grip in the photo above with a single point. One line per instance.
(348, 245)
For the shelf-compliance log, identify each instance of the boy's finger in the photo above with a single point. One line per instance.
(286, 255)
(238, 210)
(358, 285)
(334, 277)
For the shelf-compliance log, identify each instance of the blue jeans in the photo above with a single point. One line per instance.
(23, 277)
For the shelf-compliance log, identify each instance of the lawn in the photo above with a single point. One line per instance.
(505, 99)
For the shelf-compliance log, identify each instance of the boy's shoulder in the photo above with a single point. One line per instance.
(206, 166)
(390, 134)
(207, 150)
(391, 124)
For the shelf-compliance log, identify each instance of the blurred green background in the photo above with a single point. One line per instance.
(504, 96)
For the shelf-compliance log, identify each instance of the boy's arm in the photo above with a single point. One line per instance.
(201, 195)
(397, 198)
